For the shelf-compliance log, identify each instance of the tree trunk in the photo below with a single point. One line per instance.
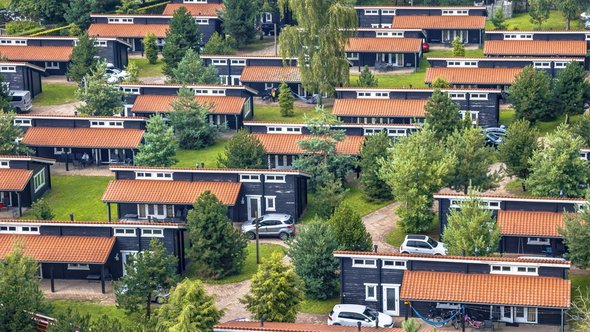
(523, 185)
(148, 306)
(567, 23)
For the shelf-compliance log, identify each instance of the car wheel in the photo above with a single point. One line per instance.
(337, 324)
(405, 253)
(284, 236)
(437, 254)
(251, 235)
(160, 300)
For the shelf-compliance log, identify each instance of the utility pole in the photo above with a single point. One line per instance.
(257, 236)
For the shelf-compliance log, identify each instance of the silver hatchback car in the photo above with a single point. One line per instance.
(273, 224)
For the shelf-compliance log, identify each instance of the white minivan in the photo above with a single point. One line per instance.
(20, 101)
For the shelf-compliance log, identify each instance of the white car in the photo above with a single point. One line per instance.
(352, 314)
(422, 244)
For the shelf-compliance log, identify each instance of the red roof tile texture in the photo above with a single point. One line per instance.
(438, 22)
(127, 30)
(293, 327)
(285, 74)
(379, 107)
(83, 137)
(502, 76)
(12, 179)
(162, 104)
(169, 192)
(36, 53)
(63, 249)
(196, 9)
(392, 45)
(288, 144)
(530, 223)
(501, 289)
(535, 47)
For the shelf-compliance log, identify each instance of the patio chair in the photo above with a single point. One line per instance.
(488, 324)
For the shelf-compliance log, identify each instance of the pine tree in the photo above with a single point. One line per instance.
(239, 20)
(193, 70)
(218, 249)
(276, 291)
(349, 230)
(189, 308)
(531, 95)
(539, 11)
(10, 136)
(458, 47)
(159, 147)
(582, 128)
(78, 12)
(147, 272)
(150, 48)
(517, 148)
(42, 210)
(132, 73)
(190, 122)
(576, 236)
(498, 19)
(442, 115)
(182, 35)
(128, 7)
(329, 192)
(82, 60)
(312, 255)
(570, 88)
(243, 150)
(219, 45)
(286, 100)
(99, 96)
(375, 148)
(367, 78)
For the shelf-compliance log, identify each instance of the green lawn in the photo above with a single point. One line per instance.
(78, 194)
(415, 79)
(319, 306)
(354, 198)
(250, 267)
(545, 127)
(522, 21)
(93, 309)
(257, 44)
(273, 113)
(396, 236)
(208, 155)
(4, 3)
(56, 94)
(146, 69)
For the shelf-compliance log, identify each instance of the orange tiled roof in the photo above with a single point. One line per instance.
(83, 137)
(445, 193)
(14, 179)
(36, 53)
(293, 327)
(288, 144)
(162, 103)
(486, 289)
(535, 47)
(438, 22)
(195, 9)
(170, 192)
(127, 30)
(473, 75)
(62, 249)
(285, 74)
(395, 45)
(530, 223)
(379, 107)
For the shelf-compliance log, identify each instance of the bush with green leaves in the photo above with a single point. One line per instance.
(375, 148)
(349, 230)
(367, 78)
(520, 142)
(159, 146)
(190, 121)
(42, 210)
(99, 96)
(286, 100)
(150, 48)
(243, 150)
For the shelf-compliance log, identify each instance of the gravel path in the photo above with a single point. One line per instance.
(379, 223)
(63, 109)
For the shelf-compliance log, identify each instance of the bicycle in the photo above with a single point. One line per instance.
(473, 323)
(449, 317)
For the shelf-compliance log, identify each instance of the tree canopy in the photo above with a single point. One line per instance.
(570, 89)
(243, 150)
(376, 147)
(160, 144)
(239, 20)
(193, 70)
(10, 136)
(82, 59)
(520, 142)
(183, 34)
(190, 121)
(576, 236)
(349, 230)
(442, 115)
(531, 95)
(99, 96)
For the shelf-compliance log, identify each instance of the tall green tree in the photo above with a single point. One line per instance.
(10, 136)
(183, 34)
(159, 146)
(498, 19)
(128, 7)
(442, 115)
(243, 150)
(47, 10)
(458, 47)
(318, 41)
(473, 160)
(312, 255)
(146, 272)
(329, 193)
(189, 308)
(582, 128)
(78, 12)
(99, 96)
(576, 236)
(416, 167)
(83, 58)
(539, 11)
(570, 9)
(219, 45)
(19, 292)
(367, 78)
(193, 70)
(349, 230)
(276, 291)
(557, 169)
(218, 249)
(376, 147)
(4, 97)
(520, 142)
(150, 48)
(570, 89)
(190, 122)
(286, 100)
(531, 95)
(239, 20)
(471, 229)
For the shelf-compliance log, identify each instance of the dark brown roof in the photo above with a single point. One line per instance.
(83, 137)
(392, 45)
(493, 76)
(535, 47)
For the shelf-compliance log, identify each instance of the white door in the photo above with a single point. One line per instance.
(391, 299)
(506, 314)
(125, 254)
(254, 206)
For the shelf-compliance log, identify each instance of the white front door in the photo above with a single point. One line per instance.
(391, 299)
(506, 314)
(253, 206)
(125, 254)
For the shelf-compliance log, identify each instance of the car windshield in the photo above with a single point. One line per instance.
(433, 243)
(371, 313)
(289, 221)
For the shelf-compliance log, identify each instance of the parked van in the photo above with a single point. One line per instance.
(20, 101)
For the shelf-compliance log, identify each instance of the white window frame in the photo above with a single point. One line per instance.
(22, 122)
(39, 180)
(209, 92)
(270, 202)
(194, 1)
(518, 36)
(124, 232)
(19, 229)
(142, 175)
(120, 20)
(238, 62)
(560, 64)
(370, 263)
(144, 208)
(273, 178)
(389, 34)
(149, 232)
(457, 96)
(78, 267)
(4, 164)
(130, 91)
(449, 12)
(60, 151)
(268, 86)
(201, 21)
(478, 96)
(352, 55)
(100, 43)
(526, 315)
(372, 94)
(374, 288)
(106, 124)
(464, 64)
(542, 64)
(371, 12)
(19, 42)
(473, 114)
(8, 69)
(51, 64)
(588, 36)
(394, 132)
(538, 241)
(219, 62)
(514, 269)
(390, 12)
(396, 264)
(284, 130)
(250, 178)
